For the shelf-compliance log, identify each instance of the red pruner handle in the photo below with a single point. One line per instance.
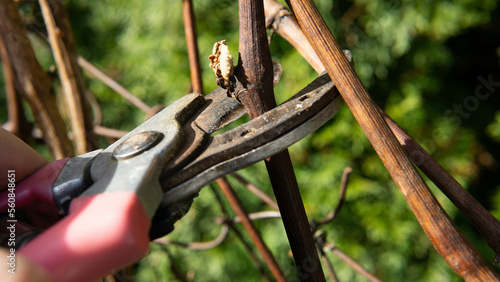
(33, 196)
(102, 233)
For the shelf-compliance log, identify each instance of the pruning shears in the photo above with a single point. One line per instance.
(97, 212)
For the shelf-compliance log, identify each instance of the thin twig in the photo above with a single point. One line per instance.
(90, 68)
(96, 108)
(198, 245)
(252, 216)
(219, 201)
(352, 14)
(250, 228)
(342, 192)
(192, 46)
(17, 123)
(329, 267)
(153, 111)
(351, 262)
(109, 132)
(247, 245)
(320, 236)
(258, 192)
(323, 247)
(260, 267)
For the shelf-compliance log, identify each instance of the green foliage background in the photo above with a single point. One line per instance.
(420, 60)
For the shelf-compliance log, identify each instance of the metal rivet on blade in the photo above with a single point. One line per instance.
(136, 144)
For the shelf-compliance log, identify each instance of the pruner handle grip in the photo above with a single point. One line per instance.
(102, 233)
(33, 198)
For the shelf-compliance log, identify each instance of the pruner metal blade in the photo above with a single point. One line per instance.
(255, 140)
